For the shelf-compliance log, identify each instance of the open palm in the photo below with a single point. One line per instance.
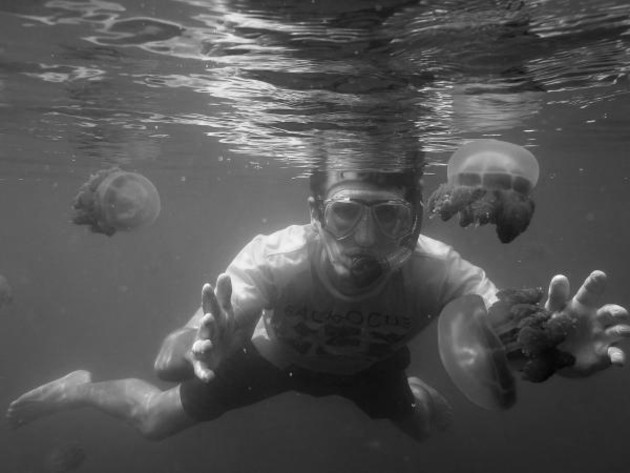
(597, 328)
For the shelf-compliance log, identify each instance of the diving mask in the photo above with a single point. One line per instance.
(396, 226)
(395, 219)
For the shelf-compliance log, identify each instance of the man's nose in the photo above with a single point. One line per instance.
(365, 234)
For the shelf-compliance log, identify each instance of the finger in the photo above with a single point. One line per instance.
(200, 348)
(209, 301)
(612, 314)
(224, 293)
(591, 292)
(207, 327)
(559, 293)
(203, 373)
(617, 356)
(206, 296)
(618, 332)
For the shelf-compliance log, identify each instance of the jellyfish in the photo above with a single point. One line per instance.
(473, 356)
(489, 182)
(115, 200)
(65, 458)
(481, 349)
(6, 293)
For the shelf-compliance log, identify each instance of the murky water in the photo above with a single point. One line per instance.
(226, 106)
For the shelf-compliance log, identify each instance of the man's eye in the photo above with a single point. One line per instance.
(389, 213)
(346, 211)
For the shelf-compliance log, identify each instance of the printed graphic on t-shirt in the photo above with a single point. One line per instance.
(348, 332)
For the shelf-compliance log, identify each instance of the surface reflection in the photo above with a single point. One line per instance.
(270, 78)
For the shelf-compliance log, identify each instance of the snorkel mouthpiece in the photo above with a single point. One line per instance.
(365, 269)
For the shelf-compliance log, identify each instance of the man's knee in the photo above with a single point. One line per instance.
(154, 429)
(163, 416)
(432, 411)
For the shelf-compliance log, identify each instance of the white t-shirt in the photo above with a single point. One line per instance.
(305, 322)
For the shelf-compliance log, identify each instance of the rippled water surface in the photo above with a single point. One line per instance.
(226, 106)
(278, 83)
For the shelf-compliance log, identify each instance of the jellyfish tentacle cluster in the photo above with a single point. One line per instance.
(488, 182)
(530, 333)
(85, 208)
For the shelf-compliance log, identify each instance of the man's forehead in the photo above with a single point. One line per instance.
(362, 189)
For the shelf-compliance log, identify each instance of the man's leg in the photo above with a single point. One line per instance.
(154, 413)
(412, 405)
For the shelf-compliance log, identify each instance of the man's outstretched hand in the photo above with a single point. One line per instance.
(597, 328)
(214, 339)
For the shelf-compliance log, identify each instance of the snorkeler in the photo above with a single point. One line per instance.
(326, 308)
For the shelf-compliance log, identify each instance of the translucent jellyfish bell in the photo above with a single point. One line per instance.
(489, 181)
(113, 200)
(493, 164)
(473, 355)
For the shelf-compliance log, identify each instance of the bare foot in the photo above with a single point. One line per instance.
(46, 399)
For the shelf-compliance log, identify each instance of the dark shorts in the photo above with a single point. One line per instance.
(381, 391)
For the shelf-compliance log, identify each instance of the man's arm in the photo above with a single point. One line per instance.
(218, 328)
(213, 333)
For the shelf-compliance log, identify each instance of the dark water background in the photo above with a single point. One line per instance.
(225, 106)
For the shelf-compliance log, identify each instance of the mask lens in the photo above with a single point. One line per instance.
(342, 216)
(395, 219)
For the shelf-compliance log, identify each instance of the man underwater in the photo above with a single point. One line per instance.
(326, 308)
